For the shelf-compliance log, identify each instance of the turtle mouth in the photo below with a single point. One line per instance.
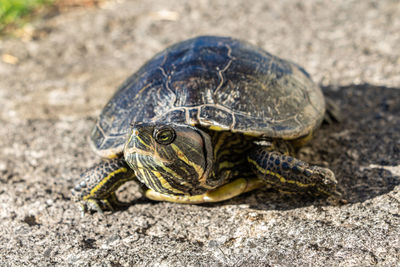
(155, 174)
(143, 158)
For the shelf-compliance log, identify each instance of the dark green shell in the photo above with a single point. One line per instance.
(216, 82)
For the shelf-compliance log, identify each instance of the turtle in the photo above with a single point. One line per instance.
(205, 120)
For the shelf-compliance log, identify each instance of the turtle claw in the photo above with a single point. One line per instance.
(100, 205)
(91, 205)
(326, 182)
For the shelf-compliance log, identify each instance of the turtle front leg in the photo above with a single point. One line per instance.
(289, 174)
(96, 188)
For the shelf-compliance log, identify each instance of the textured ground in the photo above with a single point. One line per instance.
(53, 86)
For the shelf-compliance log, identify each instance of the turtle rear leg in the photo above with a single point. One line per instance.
(96, 188)
(289, 174)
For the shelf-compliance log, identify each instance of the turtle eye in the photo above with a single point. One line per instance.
(164, 135)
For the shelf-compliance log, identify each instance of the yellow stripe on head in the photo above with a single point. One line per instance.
(141, 141)
(199, 170)
(165, 184)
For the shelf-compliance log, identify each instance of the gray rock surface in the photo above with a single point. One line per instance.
(59, 81)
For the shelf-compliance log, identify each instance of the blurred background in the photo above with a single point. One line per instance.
(76, 44)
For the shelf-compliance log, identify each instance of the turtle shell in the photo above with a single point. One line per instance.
(216, 82)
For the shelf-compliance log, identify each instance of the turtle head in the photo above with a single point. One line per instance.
(170, 158)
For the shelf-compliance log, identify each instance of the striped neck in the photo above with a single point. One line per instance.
(229, 150)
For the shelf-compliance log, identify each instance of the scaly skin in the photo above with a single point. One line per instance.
(97, 186)
(289, 174)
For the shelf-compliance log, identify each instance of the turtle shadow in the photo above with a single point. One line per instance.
(363, 149)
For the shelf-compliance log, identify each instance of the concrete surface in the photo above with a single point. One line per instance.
(53, 86)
